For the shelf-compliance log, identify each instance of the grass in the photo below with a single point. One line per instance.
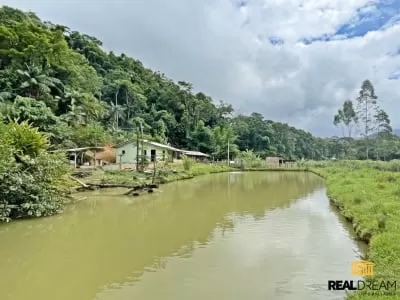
(370, 199)
(391, 166)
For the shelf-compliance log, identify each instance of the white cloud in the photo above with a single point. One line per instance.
(216, 46)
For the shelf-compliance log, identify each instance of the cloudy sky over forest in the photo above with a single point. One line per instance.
(294, 61)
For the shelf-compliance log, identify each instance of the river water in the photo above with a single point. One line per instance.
(255, 235)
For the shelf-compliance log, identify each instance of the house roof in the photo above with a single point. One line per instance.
(168, 147)
(162, 145)
(155, 144)
(195, 153)
(79, 149)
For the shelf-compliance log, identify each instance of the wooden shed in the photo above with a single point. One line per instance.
(78, 156)
(197, 155)
(275, 160)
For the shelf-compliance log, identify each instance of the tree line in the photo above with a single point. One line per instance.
(63, 83)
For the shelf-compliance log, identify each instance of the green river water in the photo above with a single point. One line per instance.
(255, 235)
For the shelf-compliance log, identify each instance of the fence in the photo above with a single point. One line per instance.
(257, 164)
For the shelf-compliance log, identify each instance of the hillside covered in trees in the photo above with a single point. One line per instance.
(63, 82)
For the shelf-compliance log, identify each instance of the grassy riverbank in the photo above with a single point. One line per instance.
(171, 173)
(163, 174)
(370, 199)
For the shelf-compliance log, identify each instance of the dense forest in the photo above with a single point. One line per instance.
(63, 83)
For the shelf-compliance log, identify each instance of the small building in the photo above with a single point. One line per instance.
(196, 155)
(274, 160)
(84, 156)
(126, 153)
(289, 163)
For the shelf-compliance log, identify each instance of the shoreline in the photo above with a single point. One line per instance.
(366, 238)
(183, 175)
(381, 241)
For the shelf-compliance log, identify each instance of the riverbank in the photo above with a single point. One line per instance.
(163, 174)
(370, 200)
(166, 174)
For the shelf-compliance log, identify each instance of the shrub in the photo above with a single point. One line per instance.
(31, 179)
(249, 159)
(187, 163)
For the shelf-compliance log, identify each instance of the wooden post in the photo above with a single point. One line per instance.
(120, 161)
(75, 160)
(95, 162)
(142, 148)
(154, 170)
(137, 149)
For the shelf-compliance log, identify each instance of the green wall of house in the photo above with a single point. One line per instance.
(129, 157)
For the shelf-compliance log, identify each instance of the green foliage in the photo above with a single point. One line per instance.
(187, 163)
(31, 179)
(248, 159)
(28, 109)
(25, 140)
(346, 116)
(91, 134)
(391, 166)
(367, 109)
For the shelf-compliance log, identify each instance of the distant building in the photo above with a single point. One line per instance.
(196, 155)
(84, 156)
(275, 160)
(127, 153)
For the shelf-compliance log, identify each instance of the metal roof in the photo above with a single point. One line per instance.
(195, 153)
(150, 143)
(163, 146)
(79, 149)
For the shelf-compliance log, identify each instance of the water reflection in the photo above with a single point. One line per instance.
(228, 224)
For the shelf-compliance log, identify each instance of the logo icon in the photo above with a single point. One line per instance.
(362, 268)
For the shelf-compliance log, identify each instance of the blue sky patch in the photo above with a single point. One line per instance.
(240, 3)
(275, 40)
(371, 17)
(394, 75)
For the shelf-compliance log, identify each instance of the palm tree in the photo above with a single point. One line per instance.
(117, 112)
(36, 82)
(75, 115)
(87, 104)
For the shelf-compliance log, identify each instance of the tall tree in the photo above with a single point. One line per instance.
(346, 116)
(384, 130)
(366, 111)
(383, 122)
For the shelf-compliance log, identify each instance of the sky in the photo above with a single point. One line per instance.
(294, 61)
